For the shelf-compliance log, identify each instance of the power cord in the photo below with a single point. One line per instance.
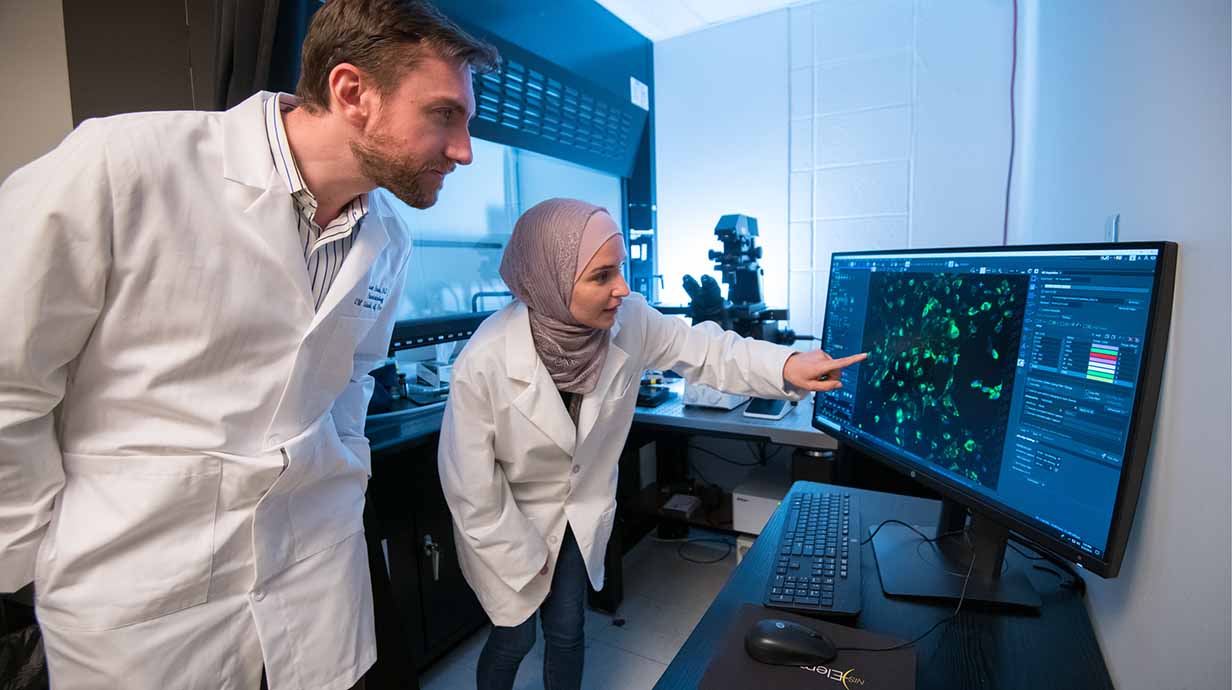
(702, 540)
(1075, 582)
(925, 537)
(761, 450)
(1009, 174)
(961, 597)
(926, 633)
(720, 457)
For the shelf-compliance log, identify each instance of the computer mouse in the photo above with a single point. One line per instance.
(784, 643)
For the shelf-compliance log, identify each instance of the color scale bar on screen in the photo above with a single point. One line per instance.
(1103, 362)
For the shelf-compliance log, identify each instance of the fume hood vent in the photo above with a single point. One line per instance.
(533, 104)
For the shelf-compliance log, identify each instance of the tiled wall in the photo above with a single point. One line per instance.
(721, 146)
(839, 125)
(853, 78)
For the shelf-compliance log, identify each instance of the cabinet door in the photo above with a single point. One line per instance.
(449, 608)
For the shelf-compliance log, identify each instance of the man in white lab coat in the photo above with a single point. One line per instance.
(191, 304)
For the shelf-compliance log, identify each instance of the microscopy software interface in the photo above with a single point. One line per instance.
(1013, 371)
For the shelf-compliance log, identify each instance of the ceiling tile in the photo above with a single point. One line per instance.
(656, 19)
(719, 11)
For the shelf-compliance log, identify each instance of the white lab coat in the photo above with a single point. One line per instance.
(171, 404)
(514, 467)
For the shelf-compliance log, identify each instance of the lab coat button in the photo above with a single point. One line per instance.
(552, 539)
(258, 594)
(275, 440)
(576, 469)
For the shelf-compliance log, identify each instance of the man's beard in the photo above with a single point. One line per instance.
(406, 178)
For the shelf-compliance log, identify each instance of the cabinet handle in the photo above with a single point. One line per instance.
(431, 549)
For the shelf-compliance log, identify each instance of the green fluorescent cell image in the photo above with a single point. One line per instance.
(946, 344)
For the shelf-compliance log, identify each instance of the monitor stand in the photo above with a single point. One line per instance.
(911, 567)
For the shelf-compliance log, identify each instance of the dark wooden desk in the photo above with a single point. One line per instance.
(980, 649)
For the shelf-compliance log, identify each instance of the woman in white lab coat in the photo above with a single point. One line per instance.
(541, 401)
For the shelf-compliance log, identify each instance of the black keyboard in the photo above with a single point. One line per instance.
(817, 564)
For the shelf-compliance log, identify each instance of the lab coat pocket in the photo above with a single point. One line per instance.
(327, 503)
(132, 540)
(603, 532)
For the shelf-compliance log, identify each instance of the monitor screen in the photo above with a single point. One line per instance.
(1008, 376)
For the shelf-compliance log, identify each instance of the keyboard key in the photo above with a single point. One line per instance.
(812, 601)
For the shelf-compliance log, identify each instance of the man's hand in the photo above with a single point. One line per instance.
(817, 371)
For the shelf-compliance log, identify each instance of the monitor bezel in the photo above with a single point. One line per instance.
(1138, 438)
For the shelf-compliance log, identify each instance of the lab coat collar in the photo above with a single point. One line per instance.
(248, 161)
(370, 241)
(541, 403)
(246, 151)
(592, 404)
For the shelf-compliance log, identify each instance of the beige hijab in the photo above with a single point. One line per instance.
(551, 245)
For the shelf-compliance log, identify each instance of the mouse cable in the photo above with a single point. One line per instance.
(925, 537)
(1075, 583)
(926, 633)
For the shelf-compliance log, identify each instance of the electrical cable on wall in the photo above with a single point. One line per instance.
(1009, 175)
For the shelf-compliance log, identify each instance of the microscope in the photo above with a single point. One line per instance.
(743, 310)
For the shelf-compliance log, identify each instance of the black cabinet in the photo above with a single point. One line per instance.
(432, 602)
(448, 607)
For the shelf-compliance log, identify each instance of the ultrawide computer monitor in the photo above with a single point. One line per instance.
(1019, 382)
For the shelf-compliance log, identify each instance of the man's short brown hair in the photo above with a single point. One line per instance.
(384, 38)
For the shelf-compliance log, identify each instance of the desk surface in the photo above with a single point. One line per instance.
(796, 429)
(980, 649)
(405, 428)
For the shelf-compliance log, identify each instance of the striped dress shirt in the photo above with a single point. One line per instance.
(324, 248)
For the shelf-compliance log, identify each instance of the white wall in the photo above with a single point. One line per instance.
(962, 123)
(1121, 109)
(851, 139)
(891, 118)
(1131, 115)
(720, 113)
(35, 113)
